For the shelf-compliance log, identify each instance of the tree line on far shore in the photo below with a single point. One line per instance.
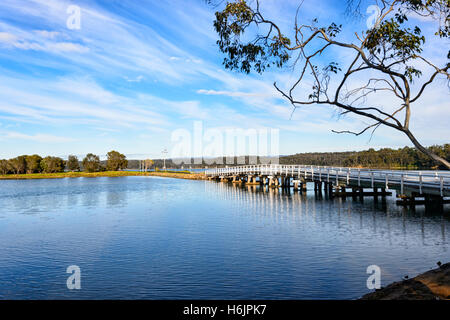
(36, 164)
(386, 158)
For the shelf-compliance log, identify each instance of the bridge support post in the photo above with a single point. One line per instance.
(271, 182)
(252, 181)
(434, 203)
(343, 191)
(237, 179)
(375, 194)
(287, 183)
(354, 193)
(317, 186)
(318, 189)
(330, 190)
(262, 180)
(303, 186)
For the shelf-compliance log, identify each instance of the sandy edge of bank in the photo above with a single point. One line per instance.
(189, 176)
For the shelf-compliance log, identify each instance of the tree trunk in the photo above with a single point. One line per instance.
(421, 148)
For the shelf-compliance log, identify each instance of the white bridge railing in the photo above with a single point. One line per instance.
(400, 179)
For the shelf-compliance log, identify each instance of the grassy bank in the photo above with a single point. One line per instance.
(179, 175)
(60, 175)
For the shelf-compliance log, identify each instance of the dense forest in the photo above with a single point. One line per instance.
(386, 158)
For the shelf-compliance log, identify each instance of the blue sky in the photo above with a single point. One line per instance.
(138, 70)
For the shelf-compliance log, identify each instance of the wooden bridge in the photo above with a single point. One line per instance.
(412, 187)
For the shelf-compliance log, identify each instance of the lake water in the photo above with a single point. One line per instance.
(159, 238)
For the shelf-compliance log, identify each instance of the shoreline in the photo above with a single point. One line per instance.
(179, 175)
(62, 175)
(431, 285)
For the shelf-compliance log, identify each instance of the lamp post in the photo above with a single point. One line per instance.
(164, 152)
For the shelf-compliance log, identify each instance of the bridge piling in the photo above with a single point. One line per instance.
(296, 183)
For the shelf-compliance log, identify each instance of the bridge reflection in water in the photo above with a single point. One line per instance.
(378, 218)
(429, 188)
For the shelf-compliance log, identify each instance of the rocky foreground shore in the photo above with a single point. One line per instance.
(431, 285)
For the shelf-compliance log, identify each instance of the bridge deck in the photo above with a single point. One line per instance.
(405, 182)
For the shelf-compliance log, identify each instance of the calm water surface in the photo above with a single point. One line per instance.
(156, 238)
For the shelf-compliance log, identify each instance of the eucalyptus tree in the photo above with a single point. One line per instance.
(116, 161)
(91, 163)
(5, 167)
(148, 163)
(52, 164)
(18, 164)
(33, 163)
(73, 163)
(389, 57)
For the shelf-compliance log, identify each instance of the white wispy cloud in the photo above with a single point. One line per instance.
(7, 38)
(137, 79)
(38, 41)
(48, 34)
(233, 93)
(39, 137)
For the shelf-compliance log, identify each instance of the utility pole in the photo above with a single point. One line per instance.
(164, 152)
